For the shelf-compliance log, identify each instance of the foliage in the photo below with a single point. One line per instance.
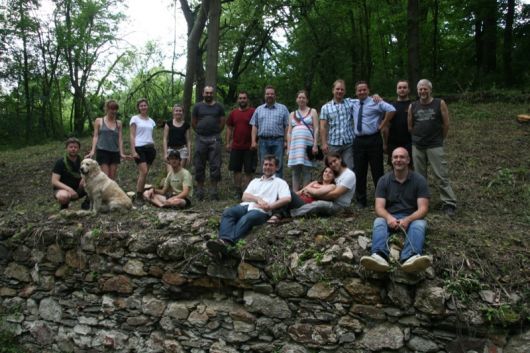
(463, 286)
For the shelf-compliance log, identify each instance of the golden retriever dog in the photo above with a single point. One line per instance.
(103, 192)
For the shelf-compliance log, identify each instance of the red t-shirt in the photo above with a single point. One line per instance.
(239, 120)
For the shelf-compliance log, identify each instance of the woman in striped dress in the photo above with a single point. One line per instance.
(302, 132)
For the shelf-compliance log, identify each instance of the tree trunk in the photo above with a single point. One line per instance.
(435, 15)
(413, 41)
(212, 54)
(508, 44)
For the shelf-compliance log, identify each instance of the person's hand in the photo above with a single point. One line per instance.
(135, 155)
(385, 148)
(404, 223)
(392, 222)
(228, 147)
(149, 193)
(90, 155)
(253, 145)
(325, 148)
(377, 98)
(315, 149)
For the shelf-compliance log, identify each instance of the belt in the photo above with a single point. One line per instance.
(270, 137)
(366, 136)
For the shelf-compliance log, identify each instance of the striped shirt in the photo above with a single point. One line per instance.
(340, 121)
(270, 121)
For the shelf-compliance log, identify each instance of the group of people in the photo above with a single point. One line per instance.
(354, 134)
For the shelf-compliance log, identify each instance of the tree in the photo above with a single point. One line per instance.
(413, 40)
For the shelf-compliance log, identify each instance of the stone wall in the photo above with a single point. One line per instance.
(90, 286)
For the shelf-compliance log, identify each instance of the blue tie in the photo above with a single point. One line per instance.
(360, 119)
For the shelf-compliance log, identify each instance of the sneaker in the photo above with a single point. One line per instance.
(416, 263)
(375, 262)
(86, 204)
(449, 210)
(217, 246)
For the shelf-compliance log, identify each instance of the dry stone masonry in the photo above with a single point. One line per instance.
(86, 285)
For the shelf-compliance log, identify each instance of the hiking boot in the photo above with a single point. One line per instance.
(139, 200)
(217, 247)
(86, 204)
(416, 263)
(375, 262)
(449, 210)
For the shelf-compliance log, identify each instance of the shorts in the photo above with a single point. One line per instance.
(183, 151)
(80, 192)
(243, 159)
(107, 157)
(146, 154)
(170, 195)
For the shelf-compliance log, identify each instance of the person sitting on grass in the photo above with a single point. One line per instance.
(66, 178)
(260, 198)
(401, 202)
(178, 186)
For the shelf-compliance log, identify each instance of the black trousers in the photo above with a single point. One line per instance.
(367, 150)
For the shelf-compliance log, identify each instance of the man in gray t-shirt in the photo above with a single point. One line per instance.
(401, 202)
(208, 120)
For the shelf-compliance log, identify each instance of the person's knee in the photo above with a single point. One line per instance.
(380, 222)
(419, 225)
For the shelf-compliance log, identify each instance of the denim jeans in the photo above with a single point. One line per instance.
(275, 147)
(238, 221)
(413, 242)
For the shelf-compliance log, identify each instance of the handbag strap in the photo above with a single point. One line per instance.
(302, 120)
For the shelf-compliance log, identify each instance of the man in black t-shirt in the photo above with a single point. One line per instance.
(208, 120)
(66, 179)
(397, 133)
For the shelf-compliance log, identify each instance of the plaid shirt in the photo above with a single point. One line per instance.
(340, 121)
(270, 121)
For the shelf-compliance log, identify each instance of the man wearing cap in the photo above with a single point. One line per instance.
(178, 186)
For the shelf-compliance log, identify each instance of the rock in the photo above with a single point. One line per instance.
(519, 343)
(399, 295)
(135, 268)
(177, 311)
(164, 218)
(347, 255)
(383, 336)
(173, 278)
(272, 307)
(351, 324)
(137, 320)
(142, 243)
(41, 332)
(430, 299)
(172, 346)
(7, 292)
(246, 271)
(18, 272)
(120, 284)
(153, 306)
(368, 311)
(320, 291)
(314, 335)
(362, 292)
(290, 289)
(292, 348)
(55, 254)
(420, 344)
(198, 318)
(222, 270)
(240, 326)
(488, 296)
(50, 310)
(221, 347)
(75, 259)
(111, 340)
(241, 314)
(364, 242)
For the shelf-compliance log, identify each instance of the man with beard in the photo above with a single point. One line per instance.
(269, 124)
(402, 201)
(238, 142)
(208, 120)
(428, 122)
(397, 133)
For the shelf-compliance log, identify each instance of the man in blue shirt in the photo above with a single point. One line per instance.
(368, 144)
(269, 125)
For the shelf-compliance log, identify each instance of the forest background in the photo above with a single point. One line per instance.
(56, 71)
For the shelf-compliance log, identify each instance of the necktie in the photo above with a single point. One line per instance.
(360, 119)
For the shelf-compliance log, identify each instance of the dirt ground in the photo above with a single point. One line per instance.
(485, 245)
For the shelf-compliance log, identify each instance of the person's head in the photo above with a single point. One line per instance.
(178, 113)
(400, 159)
(270, 95)
(338, 90)
(301, 98)
(242, 99)
(142, 106)
(173, 158)
(270, 165)
(208, 93)
(362, 90)
(72, 146)
(334, 162)
(402, 89)
(424, 89)
(327, 176)
(111, 108)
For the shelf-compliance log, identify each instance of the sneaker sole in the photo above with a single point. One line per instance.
(373, 265)
(421, 264)
(217, 248)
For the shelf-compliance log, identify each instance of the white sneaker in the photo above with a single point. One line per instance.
(417, 263)
(375, 262)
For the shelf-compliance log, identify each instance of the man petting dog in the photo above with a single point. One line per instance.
(177, 189)
(66, 178)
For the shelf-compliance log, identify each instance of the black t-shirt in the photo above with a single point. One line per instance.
(177, 135)
(402, 198)
(69, 176)
(399, 134)
(427, 124)
(208, 118)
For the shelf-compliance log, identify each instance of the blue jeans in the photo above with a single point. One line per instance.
(238, 221)
(275, 147)
(413, 242)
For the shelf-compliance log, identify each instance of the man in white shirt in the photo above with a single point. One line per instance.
(261, 197)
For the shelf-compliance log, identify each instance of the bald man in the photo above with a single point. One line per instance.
(401, 202)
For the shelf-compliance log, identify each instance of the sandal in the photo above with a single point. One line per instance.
(274, 220)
